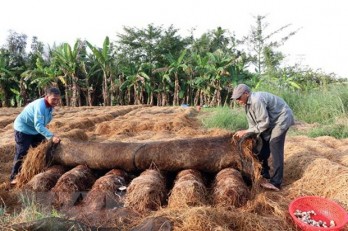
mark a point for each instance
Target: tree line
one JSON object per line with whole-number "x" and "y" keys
{"x": 152, "y": 65}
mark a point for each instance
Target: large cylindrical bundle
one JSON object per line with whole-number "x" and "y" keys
{"x": 46, "y": 180}
{"x": 71, "y": 185}
{"x": 107, "y": 191}
{"x": 209, "y": 154}
{"x": 229, "y": 189}
{"x": 96, "y": 155}
{"x": 188, "y": 190}
{"x": 146, "y": 192}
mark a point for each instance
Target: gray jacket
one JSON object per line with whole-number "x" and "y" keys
{"x": 268, "y": 115}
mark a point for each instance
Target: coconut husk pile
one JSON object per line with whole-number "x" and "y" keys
{"x": 6, "y": 161}
{"x": 71, "y": 185}
{"x": 75, "y": 134}
{"x": 107, "y": 191}
{"x": 152, "y": 123}
{"x": 336, "y": 177}
{"x": 188, "y": 190}
{"x": 229, "y": 189}
{"x": 86, "y": 119}
{"x": 146, "y": 192}
{"x": 154, "y": 223}
{"x": 266, "y": 211}
{"x": 116, "y": 218}
{"x": 46, "y": 180}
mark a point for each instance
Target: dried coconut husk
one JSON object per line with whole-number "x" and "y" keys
{"x": 249, "y": 166}
{"x": 46, "y": 180}
{"x": 153, "y": 223}
{"x": 6, "y": 120}
{"x": 297, "y": 158}
{"x": 6, "y": 161}
{"x": 7, "y": 152}
{"x": 71, "y": 184}
{"x": 188, "y": 190}
{"x": 146, "y": 192}
{"x": 81, "y": 123}
{"x": 338, "y": 149}
{"x": 269, "y": 203}
{"x": 324, "y": 178}
{"x": 35, "y": 162}
{"x": 229, "y": 189}
{"x": 190, "y": 172}
{"x": 105, "y": 219}
{"x": 153, "y": 124}
{"x": 75, "y": 134}
{"x": 107, "y": 191}
{"x": 86, "y": 121}
{"x": 211, "y": 218}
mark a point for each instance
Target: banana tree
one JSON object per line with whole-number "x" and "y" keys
{"x": 68, "y": 60}
{"x": 201, "y": 79}
{"x": 43, "y": 76}
{"x": 219, "y": 63}
{"x": 174, "y": 69}
{"x": 105, "y": 60}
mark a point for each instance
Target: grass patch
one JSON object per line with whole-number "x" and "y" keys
{"x": 338, "y": 131}
{"x": 225, "y": 118}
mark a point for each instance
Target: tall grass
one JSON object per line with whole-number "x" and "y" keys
{"x": 322, "y": 106}
{"x": 326, "y": 106}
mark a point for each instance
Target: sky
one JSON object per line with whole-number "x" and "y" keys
{"x": 321, "y": 42}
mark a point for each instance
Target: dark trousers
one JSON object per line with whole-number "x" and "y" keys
{"x": 276, "y": 148}
{"x": 23, "y": 143}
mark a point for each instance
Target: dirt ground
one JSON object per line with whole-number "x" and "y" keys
{"x": 313, "y": 166}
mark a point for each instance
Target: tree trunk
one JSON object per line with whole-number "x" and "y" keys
{"x": 105, "y": 90}
{"x": 176, "y": 90}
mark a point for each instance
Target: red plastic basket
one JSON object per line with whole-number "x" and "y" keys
{"x": 325, "y": 210}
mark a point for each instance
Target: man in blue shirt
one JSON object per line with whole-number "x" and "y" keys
{"x": 30, "y": 127}
{"x": 270, "y": 117}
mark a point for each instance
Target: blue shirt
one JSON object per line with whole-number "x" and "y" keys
{"x": 34, "y": 118}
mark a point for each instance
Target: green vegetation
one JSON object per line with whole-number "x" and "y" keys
{"x": 154, "y": 66}
{"x": 325, "y": 107}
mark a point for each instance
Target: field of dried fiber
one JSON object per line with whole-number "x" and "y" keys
{"x": 157, "y": 168}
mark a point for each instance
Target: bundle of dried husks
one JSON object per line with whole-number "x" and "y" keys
{"x": 146, "y": 192}
{"x": 188, "y": 190}
{"x": 71, "y": 185}
{"x": 209, "y": 154}
{"x": 107, "y": 191}
{"x": 229, "y": 189}
{"x": 46, "y": 180}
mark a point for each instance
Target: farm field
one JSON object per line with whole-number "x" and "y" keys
{"x": 157, "y": 168}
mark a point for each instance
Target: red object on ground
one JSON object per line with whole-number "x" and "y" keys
{"x": 325, "y": 210}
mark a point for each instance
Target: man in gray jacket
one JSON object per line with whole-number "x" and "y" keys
{"x": 270, "y": 117}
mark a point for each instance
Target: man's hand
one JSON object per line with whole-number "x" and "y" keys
{"x": 241, "y": 133}
{"x": 55, "y": 140}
